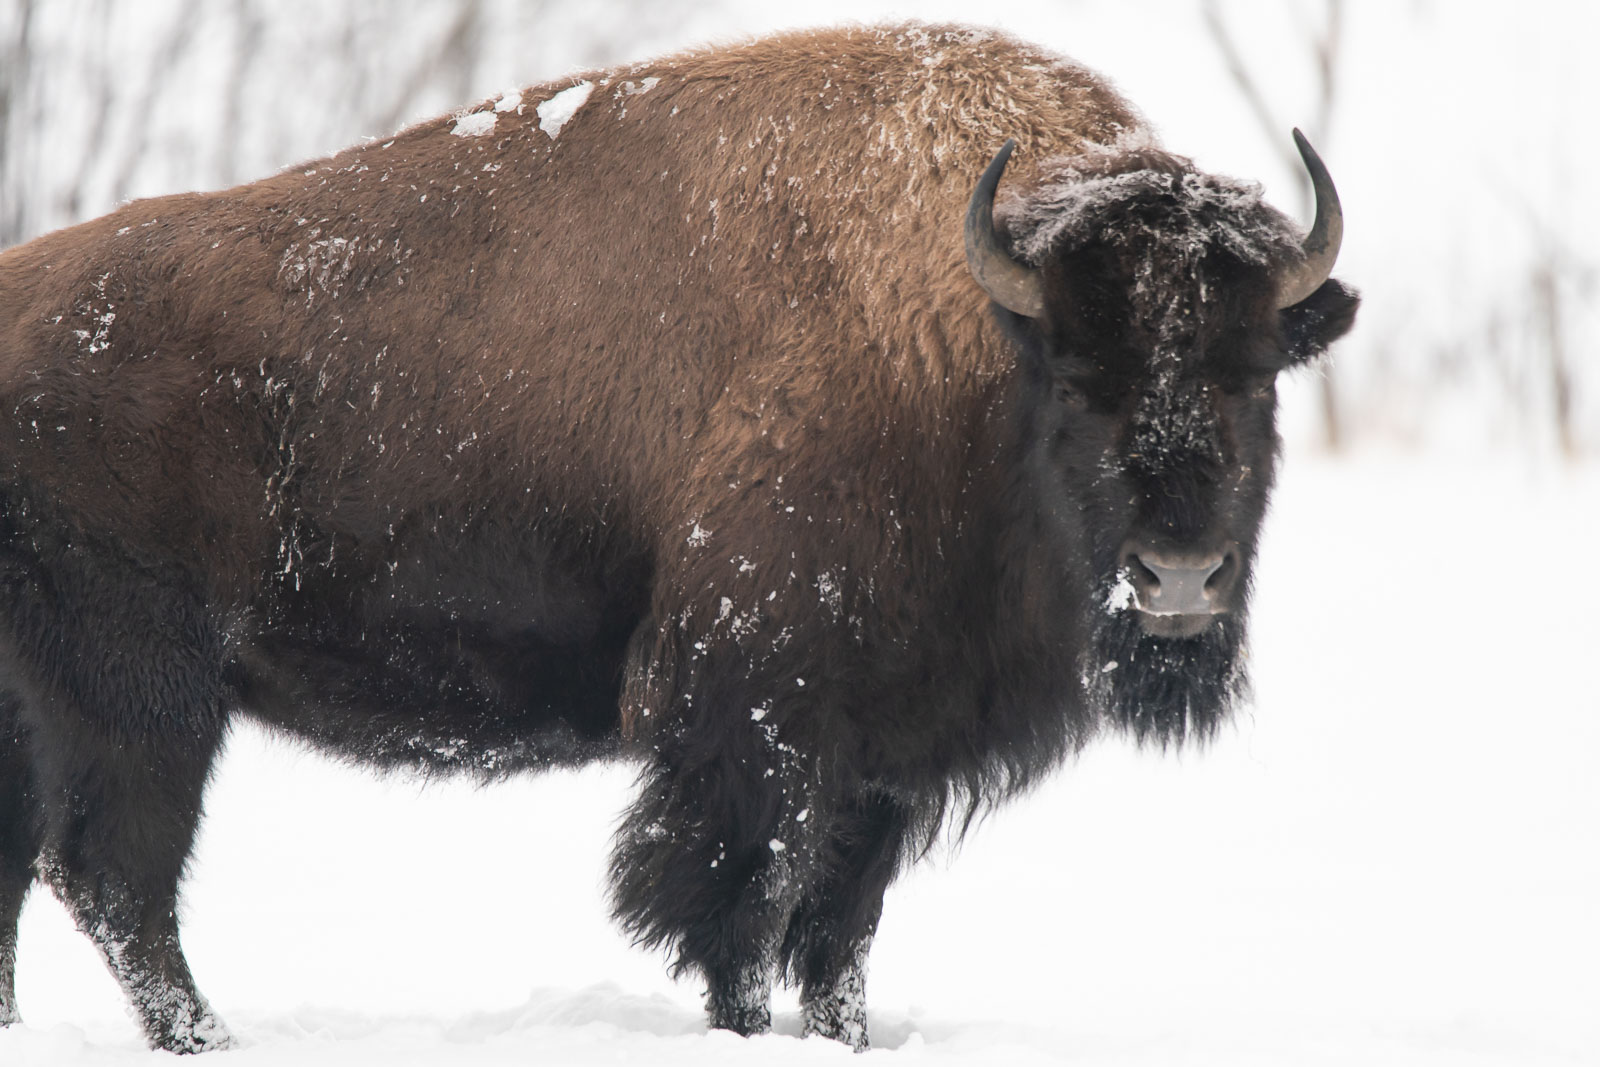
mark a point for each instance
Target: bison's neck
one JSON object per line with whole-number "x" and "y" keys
{"x": 1016, "y": 594}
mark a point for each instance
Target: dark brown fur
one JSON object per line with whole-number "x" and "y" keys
{"x": 685, "y": 433}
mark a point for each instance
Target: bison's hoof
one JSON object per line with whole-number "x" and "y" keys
{"x": 743, "y": 1023}
{"x": 742, "y": 1019}
{"x": 206, "y": 1035}
{"x": 850, "y": 1033}
{"x": 838, "y": 1020}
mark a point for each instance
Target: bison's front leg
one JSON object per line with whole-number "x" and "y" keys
{"x": 707, "y": 862}
{"x": 831, "y": 932}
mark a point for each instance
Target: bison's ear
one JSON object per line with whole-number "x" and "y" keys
{"x": 1310, "y": 326}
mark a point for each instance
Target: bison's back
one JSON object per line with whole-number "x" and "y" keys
{"x": 703, "y": 256}
{"x": 482, "y": 386}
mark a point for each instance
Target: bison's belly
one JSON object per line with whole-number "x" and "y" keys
{"x": 434, "y": 696}
{"x": 491, "y": 649}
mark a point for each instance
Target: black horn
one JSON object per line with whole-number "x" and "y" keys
{"x": 1010, "y": 284}
{"x": 1320, "y": 248}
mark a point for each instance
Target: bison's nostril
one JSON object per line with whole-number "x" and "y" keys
{"x": 1221, "y": 580}
{"x": 1141, "y": 576}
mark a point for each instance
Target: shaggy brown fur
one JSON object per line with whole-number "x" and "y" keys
{"x": 677, "y": 429}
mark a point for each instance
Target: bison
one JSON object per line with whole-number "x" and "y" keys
{"x": 714, "y": 413}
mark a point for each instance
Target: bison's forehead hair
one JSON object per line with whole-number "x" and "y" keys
{"x": 1147, "y": 200}
{"x": 1178, "y": 239}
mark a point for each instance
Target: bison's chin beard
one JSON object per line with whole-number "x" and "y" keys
{"x": 1161, "y": 689}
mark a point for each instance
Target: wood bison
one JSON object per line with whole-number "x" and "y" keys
{"x": 663, "y": 413}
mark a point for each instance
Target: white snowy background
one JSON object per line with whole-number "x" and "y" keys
{"x": 1394, "y": 855}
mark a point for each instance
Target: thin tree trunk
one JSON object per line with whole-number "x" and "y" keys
{"x": 15, "y": 71}
{"x": 455, "y": 58}
{"x": 1548, "y": 310}
{"x": 172, "y": 49}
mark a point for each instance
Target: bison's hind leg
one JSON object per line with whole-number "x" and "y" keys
{"x": 119, "y": 821}
{"x": 19, "y": 845}
{"x": 124, "y": 708}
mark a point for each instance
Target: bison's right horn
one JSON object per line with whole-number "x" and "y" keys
{"x": 1321, "y": 246}
{"x": 1010, "y": 284}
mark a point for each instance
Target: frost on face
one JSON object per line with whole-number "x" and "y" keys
{"x": 1200, "y": 213}
{"x": 555, "y": 112}
{"x": 1121, "y": 597}
{"x": 1167, "y": 224}
{"x": 1170, "y": 228}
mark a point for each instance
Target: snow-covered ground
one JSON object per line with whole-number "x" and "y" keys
{"x": 1392, "y": 859}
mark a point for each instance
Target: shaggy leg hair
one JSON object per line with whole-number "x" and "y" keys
{"x": 825, "y": 949}
{"x": 705, "y": 863}
{"x": 743, "y": 912}
{"x": 137, "y": 935}
{"x": 120, "y": 821}
{"x": 122, "y": 710}
{"x": 19, "y": 846}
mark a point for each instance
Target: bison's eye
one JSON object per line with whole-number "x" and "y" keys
{"x": 1252, "y": 386}
{"x": 1071, "y": 394}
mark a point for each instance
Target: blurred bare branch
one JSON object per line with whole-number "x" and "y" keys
{"x": 249, "y": 33}
{"x": 1249, "y": 88}
{"x": 98, "y": 75}
{"x": 452, "y": 62}
{"x": 1325, "y": 42}
{"x": 15, "y": 55}
{"x": 174, "y": 43}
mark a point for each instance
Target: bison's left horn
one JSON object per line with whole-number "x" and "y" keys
{"x": 1321, "y": 246}
{"x": 1010, "y": 284}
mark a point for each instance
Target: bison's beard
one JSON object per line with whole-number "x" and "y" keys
{"x": 1164, "y": 689}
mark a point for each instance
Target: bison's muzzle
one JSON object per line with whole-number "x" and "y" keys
{"x": 1177, "y": 593}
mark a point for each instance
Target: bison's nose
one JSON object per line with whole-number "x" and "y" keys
{"x": 1174, "y": 583}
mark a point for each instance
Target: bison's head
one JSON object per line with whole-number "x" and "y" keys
{"x": 1153, "y": 307}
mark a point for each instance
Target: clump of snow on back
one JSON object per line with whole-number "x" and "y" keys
{"x": 555, "y": 112}
{"x": 474, "y": 125}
